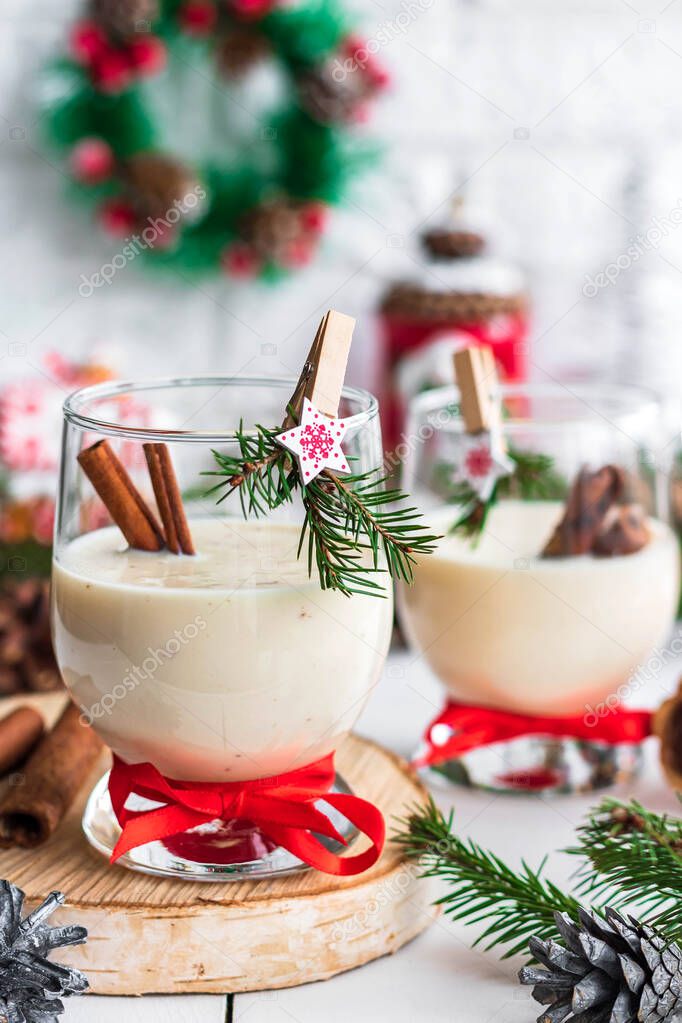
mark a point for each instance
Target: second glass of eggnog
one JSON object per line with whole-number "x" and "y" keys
{"x": 225, "y": 666}
{"x": 506, "y": 628}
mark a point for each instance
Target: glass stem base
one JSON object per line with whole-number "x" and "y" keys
{"x": 233, "y": 850}
{"x": 540, "y": 765}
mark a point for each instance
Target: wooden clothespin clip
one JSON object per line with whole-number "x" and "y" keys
{"x": 324, "y": 370}
{"x": 476, "y": 376}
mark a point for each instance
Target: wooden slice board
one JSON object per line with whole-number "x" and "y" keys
{"x": 165, "y": 936}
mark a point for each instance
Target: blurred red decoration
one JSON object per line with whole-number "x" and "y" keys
{"x": 456, "y": 294}
{"x": 198, "y": 18}
{"x": 114, "y": 66}
{"x": 117, "y": 217}
{"x": 239, "y": 260}
{"x": 252, "y": 8}
{"x": 147, "y": 55}
{"x": 92, "y": 161}
{"x": 88, "y": 42}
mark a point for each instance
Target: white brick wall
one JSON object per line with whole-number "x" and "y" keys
{"x": 594, "y": 83}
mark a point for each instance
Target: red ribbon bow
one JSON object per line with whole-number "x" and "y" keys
{"x": 281, "y": 807}
{"x": 464, "y": 726}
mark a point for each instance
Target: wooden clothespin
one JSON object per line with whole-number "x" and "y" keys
{"x": 324, "y": 371}
{"x": 476, "y": 376}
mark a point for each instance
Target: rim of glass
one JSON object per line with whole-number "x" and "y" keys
{"x": 75, "y": 403}
{"x": 635, "y": 401}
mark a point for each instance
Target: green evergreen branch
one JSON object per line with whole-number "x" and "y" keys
{"x": 532, "y": 479}
{"x": 349, "y": 523}
{"x": 634, "y": 856}
{"x": 483, "y": 888}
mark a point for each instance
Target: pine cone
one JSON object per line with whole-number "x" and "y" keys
{"x": 125, "y": 18}
{"x": 156, "y": 182}
{"x": 330, "y": 99}
{"x": 274, "y": 230}
{"x": 610, "y": 971}
{"x": 238, "y": 49}
{"x": 26, "y": 657}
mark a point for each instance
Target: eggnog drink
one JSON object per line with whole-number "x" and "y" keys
{"x": 503, "y": 627}
{"x": 229, "y": 665}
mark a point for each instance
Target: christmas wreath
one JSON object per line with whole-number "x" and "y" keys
{"x": 257, "y": 213}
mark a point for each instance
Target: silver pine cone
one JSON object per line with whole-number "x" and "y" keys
{"x": 615, "y": 970}
{"x": 31, "y": 985}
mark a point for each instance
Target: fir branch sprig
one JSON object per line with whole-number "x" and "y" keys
{"x": 482, "y": 887}
{"x": 533, "y": 478}
{"x": 349, "y": 521}
{"x": 634, "y": 856}
{"x": 261, "y": 473}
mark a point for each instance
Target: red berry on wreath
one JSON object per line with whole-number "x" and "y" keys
{"x": 314, "y": 217}
{"x": 92, "y": 161}
{"x": 198, "y": 17}
{"x": 147, "y": 55}
{"x": 112, "y": 72}
{"x": 88, "y": 42}
{"x": 252, "y": 8}
{"x": 117, "y": 218}
{"x": 165, "y": 237}
{"x": 239, "y": 260}
{"x": 298, "y": 253}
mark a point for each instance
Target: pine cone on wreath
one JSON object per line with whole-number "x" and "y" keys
{"x": 238, "y": 49}
{"x": 608, "y": 971}
{"x": 26, "y": 656}
{"x": 155, "y": 182}
{"x": 330, "y": 97}
{"x": 124, "y": 18}
{"x": 277, "y": 231}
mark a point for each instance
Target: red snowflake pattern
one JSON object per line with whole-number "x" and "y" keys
{"x": 317, "y": 443}
{"x": 478, "y": 463}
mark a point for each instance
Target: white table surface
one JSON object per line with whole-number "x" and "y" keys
{"x": 438, "y": 977}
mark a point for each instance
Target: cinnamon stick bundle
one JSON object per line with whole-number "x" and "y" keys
{"x": 19, "y": 732}
{"x": 126, "y": 505}
{"x": 52, "y": 776}
{"x": 122, "y": 499}
{"x": 168, "y": 499}
{"x": 590, "y": 498}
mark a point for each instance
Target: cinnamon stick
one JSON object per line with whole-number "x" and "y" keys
{"x": 19, "y": 732}
{"x": 623, "y": 531}
{"x": 168, "y": 499}
{"x": 590, "y": 498}
{"x": 59, "y": 765}
{"x": 123, "y": 501}
{"x": 667, "y": 725}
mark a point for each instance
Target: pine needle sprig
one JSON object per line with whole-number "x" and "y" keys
{"x": 261, "y": 473}
{"x": 516, "y": 905}
{"x": 533, "y": 478}
{"x": 634, "y": 856}
{"x": 349, "y": 522}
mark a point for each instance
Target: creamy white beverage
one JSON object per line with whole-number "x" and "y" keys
{"x": 503, "y": 627}
{"x": 229, "y": 665}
